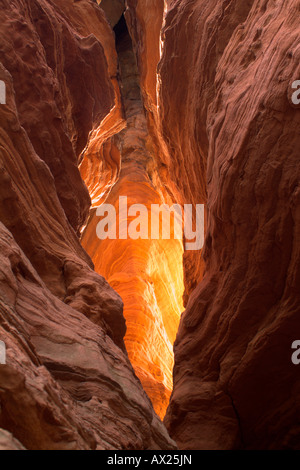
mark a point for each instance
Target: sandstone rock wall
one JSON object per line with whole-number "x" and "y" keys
{"x": 203, "y": 116}
{"x": 147, "y": 274}
{"x": 68, "y": 383}
{"x": 234, "y": 383}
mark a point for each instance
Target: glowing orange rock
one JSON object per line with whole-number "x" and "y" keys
{"x": 147, "y": 274}
{"x": 67, "y": 382}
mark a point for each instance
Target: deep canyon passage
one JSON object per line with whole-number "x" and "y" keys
{"x": 138, "y": 344}
{"x": 147, "y": 274}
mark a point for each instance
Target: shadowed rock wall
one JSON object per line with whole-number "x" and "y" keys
{"x": 68, "y": 383}
{"x": 234, "y": 383}
{"x": 196, "y": 110}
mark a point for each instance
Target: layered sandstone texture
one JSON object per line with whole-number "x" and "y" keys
{"x": 148, "y": 274}
{"x": 226, "y": 74}
{"x": 68, "y": 382}
{"x": 186, "y": 101}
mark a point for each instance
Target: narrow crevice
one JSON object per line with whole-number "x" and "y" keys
{"x": 238, "y": 420}
{"x": 129, "y": 78}
{"x": 146, "y": 273}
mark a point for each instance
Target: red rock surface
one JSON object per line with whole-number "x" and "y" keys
{"x": 147, "y": 274}
{"x": 30, "y": 207}
{"x": 234, "y": 383}
{"x": 68, "y": 384}
{"x": 8, "y": 442}
{"x": 205, "y": 117}
{"x": 145, "y": 24}
{"x": 113, "y": 9}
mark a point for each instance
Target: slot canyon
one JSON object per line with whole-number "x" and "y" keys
{"x": 142, "y": 344}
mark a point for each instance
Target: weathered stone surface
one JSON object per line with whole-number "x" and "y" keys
{"x": 146, "y": 273}
{"x": 26, "y": 184}
{"x": 145, "y": 20}
{"x": 206, "y": 116}
{"x": 234, "y": 383}
{"x": 8, "y": 442}
{"x": 67, "y": 383}
{"x": 113, "y": 9}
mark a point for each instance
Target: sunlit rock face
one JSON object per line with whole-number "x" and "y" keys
{"x": 42, "y": 137}
{"x": 145, "y": 21}
{"x": 194, "y": 107}
{"x": 68, "y": 382}
{"x": 8, "y": 442}
{"x": 226, "y": 74}
{"x": 147, "y": 274}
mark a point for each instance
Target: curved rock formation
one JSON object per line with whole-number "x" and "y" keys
{"x": 147, "y": 274}
{"x": 8, "y": 442}
{"x": 113, "y": 9}
{"x": 67, "y": 383}
{"x": 183, "y": 101}
{"x": 27, "y": 123}
{"x": 234, "y": 382}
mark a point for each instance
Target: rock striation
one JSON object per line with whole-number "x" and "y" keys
{"x": 168, "y": 101}
{"x": 8, "y": 442}
{"x": 234, "y": 383}
{"x": 147, "y": 274}
{"x": 68, "y": 382}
